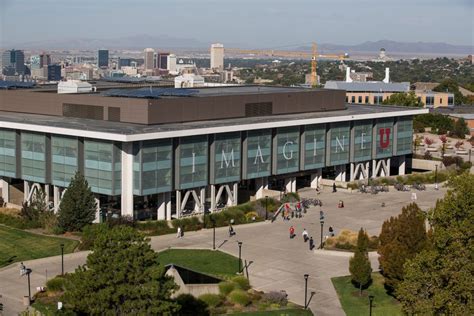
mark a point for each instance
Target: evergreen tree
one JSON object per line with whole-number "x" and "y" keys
{"x": 404, "y": 99}
{"x": 122, "y": 276}
{"x": 359, "y": 264}
{"x": 460, "y": 129}
{"x": 78, "y": 206}
{"x": 402, "y": 237}
{"x": 440, "y": 280}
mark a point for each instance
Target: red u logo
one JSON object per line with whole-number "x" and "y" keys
{"x": 386, "y": 142}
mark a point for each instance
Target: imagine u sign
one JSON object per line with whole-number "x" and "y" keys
{"x": 384, "y": 143}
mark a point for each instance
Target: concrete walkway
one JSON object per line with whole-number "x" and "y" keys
{"x": 279, "y": 263}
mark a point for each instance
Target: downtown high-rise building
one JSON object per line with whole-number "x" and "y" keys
{"x": 103, "y": 58}
{"x": 217, "y": 57}
{"x": 149, "y": 58}
{"x": 162, "y": 60}
{"x": 13, "y": 62}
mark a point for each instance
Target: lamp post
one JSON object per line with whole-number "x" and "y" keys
{"x": 62, "y": 259}
{"x": 240, "y": 254}
{"x": 306, "y": 276}
{"x": 322, "y": 229}
{"x": 213, "y": 221}
{"x": 24, "y": 270}
{"x": 266, "y": 207}
{"x": 436, "y": 177}
{"x": 371, "y": 299}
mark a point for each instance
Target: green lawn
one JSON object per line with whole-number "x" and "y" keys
{"x": 18, "y": 245}
{"x": 201, "y": 260}
{"x": 284, "y": 312}
{"x": 353, "y": 304}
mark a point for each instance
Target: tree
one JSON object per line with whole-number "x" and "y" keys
{"x": 402, "y": 237}
{"x": 404, "y": 99}
{"x": 78, "y": 206}
{"x": 359, "y": 264}
{"x": 122, "y": 276}
{"x": 460, "y": 128}
{"x": 450, "y": 85}
{"x": 439, "y": 281}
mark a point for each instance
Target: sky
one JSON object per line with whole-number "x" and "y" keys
{"x": 255, "y": 23}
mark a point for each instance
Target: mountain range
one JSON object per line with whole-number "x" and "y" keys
{"x": 140, "y": 42}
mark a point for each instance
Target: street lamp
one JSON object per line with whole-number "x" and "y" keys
{"x": 322, "y": 229}
{"x": 266, "y": 207}
{"x": 306, "y": 276}
{"x": 24, "y": 270}
{"x": 436, "y": 177}
{"x": 371, "y": 298}
{"x": 62, "y": 259}
{"x": 213, "y": 221}
{"x": 240, "y": 254}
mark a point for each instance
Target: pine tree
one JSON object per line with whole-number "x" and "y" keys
{"x": 359, "y": 264}
{"x": 122, "y": 276}
{"x": 78, "y": 206}
{"x": 402, "y": 237}
{"x": 439, "y": 281}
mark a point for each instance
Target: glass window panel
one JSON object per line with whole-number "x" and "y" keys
{"x": 193, "y": 162}
{"x": 259, "y": 150}
{"x": 8, "y": 153}
{"x": 384, "y": 138}
{"x": 404, "y": 135}
{"x": 362, "y": 140}
{"x": 33, "y": 157}
{"x": 227, "y": 158}
{"x": 287, "y": 151}
{"x": 339, "y": 144}
{"x": 314, "y": 146}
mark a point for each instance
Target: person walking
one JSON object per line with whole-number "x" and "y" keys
{"x": 311, "y": 243}
{"x": 334, "y": 190}
{"x": 179, "y": 232}
{"x": 321, "y": 215}
{"x": 331, "y": 231}
{"x": 292, "y": 232}
{"x": 231, "y": 230}
{"x": 305, "y": 235}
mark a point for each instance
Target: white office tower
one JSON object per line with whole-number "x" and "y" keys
{"x": 149, "y": 58}
{"x": 217, "y": 57}
{"x": 171, "y": 66}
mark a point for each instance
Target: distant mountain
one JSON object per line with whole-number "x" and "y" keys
{"x": 128, "y": 42}
{"x": 396, "y": 47}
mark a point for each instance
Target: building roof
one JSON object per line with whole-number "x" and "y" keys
{"x": 371, "y": 86}
{"x": 125, "y": 132}
{"x": 466, "y": 116}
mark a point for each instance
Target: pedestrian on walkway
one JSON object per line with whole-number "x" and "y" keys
{"x": 305, "y": 235}
{"x": 22, "y": 269}
{"x": 292, "y": 232}
{"x": 334, "y": 190}
{"x": 321, "y": 215}
{"x": 231, "y": 230}
{"x": 311, "y": 243}
{"x": 331, "y": 231}
{"x": 179, "y": 233}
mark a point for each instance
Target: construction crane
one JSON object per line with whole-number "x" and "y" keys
{"x": 313, "y": 55}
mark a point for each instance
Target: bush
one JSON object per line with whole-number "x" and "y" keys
{"x": 271, "y": 204}
{"x": 347, "y": 240}
{"x": 56, "y": 285}
{"x": 290, "y": 198}
{"x": 250, "y": 216}
{"x": 241, "y": 283}
{"x": 353, "y": 186}
{"x": 223, "y": 218}
{"x": 188, "y": 224}
{"x": 212, "y": 300}
{"x": 154, "y": 228}
{"x": 275, "y": 297}
{"x": 226, "y": 287}
{"x": 239, "y": 297}
{"x": 120, "y": 221}
{"x": 49, "y": 221}
{"x": 18, "y": 222}
{"x": 191, "y": 305}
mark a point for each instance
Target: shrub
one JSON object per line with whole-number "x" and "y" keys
{"x": 212, "y": 300}
{"x": 427, "y": 155}
{"x": 18, "y": 222}
{"x": 353, "y": 186}
{"x": 226, "y": 287}
{"x": 241, "y": 283}
{"x": 239, "y": 297}
{"x": 120, "y": 221}
{"x": 191, "y": 305}
{"x": 250, "y": 216}
{"x": 275, "y": 297}
{"x": 154, "y": 228}
{"x": 188, "y": 224}
{"x": 56, "y": 285}
{"x": 49, "y": 221}
{"x": 290, "y": 197}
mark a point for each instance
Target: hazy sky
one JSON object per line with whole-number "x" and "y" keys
{"x": 258, "y": 23}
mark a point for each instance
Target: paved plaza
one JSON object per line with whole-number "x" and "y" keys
{"x": 279, "y": 263}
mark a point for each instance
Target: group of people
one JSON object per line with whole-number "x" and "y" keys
{"x": 289, "y": 212}
{"x": 305, "y": 235}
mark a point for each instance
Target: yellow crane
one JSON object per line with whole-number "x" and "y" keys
{"x": 313, "y": 55}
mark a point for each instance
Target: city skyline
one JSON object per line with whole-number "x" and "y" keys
{"x": 259, "y": 24}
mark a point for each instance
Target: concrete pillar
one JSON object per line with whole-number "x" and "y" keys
{"x": 352, "y": 173}
{"x": 46, "y": 193}
{"x": 316, "y": 178}
{"x": 127, "y": 179}
{"x": 236, "y": 193}
{"x": 26, "y": 190}
{"x": 261, "y": 184}
{"x": 213, "y": 198}
{"x": 374, "y": 168}
{"x": 341, "y": 173}
{"x": 161, "y": 211}
{"x": 5, "y": 191}
{"x": 56, "y": 198}
{"x": 387, "y": 165}
{"x": 202, "y": 199}
{"x": 97, "y": 211}
{"x": 401, "y": 165}
{"x": 290, "y": 184}
{"x": 168, "y": 205}
{"x": 178, "y": 204}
